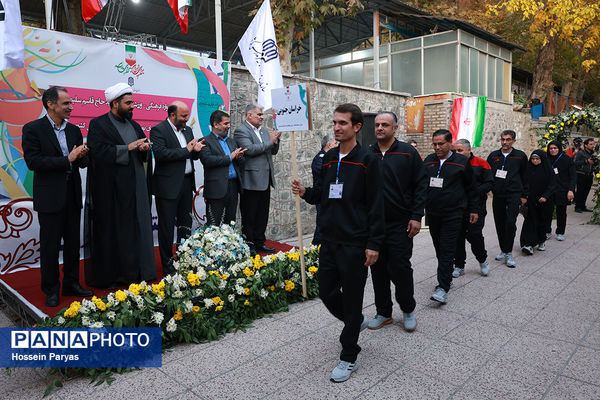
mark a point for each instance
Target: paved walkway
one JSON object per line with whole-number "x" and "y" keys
{"x": 527, "y": 333}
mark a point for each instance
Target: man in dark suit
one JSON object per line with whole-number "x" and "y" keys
{"x": 57, "y": 191}
{"x": 258, "y": 176}
{"x": 222, "y": 161}
{"x": 173, "y": 183}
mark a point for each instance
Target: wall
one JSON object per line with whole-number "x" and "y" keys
{"x": 325, "y": 96}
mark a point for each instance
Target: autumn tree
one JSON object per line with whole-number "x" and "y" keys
{"x": 294, "y": 19}
{"x": 553, "y": 23}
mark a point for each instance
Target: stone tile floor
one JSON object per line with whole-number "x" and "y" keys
{"x": 527, "y": 333}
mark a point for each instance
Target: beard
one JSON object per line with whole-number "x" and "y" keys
{"x": 124, "y": 113}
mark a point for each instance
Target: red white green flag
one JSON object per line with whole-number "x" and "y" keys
{"x": 89, "y": 8}
{"x": 468, "y": 118}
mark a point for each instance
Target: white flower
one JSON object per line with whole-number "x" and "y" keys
{"x": 90, "y": 305}
{"x": 158, "y": 299}
{"x": 222, "y": 284}
{"x": 178, "y": 294}
{"x": 97, "y": 325}
{"x": 157, "y": 318}
{"x": 84, "y": 310}
{"x": 85, "y": 320}
{"x": 240, "y": 281}
{"x": 239, "y": 289}
{"x": 263, "y": 293}
{"x": 198, "y": 292}
{"x": 61, "y": 320}
{"x": 231, "y": 298}
{"x": 171, "y": 325}
{"x": 257, "y": 275}
{"x": 280, "y": 285}
{"x": 111, "y": 315}
{"x": 110, "y": 299}
{"x": 187, "y": 306}
{"x": 208, "y": 303}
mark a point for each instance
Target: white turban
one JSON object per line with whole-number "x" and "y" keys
{"x": 117, "y": 90}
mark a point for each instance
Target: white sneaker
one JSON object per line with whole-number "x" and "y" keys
{"x": 440, "y": 295}
{"x": 458, "y": 272}
{"x": 510, "y": 261}
{"x": 527, "y": 250}
{"x": 560, "y": 238}
{"x": 548, "y": 235}
{"x": 501, "y": 256}
{"x": 485, "y": 268}
{"x": 542, "y": 246}
{"x": 409, "y": 321}
{"x": 379, "y": 321}
{"x": 342, "y": 371}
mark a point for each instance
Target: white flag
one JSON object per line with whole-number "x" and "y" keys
{"x": 259, "y": 50}
{"x": 12, "y": 48}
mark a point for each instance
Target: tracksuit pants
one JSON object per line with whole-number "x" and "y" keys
{"x": 474, "y": 234}
{"x": 506, "y": 210}
{"x": 444, "y": 230}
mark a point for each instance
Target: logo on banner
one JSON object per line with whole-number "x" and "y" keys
{"x": 130, "y": 66}
{"x": 55, "y": 347}
{"x": 130, "y": 55}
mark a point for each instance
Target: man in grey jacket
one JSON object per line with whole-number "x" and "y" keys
{"x": 258, "y": 176}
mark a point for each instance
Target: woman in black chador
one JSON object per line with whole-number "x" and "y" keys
{"x": 541, "y": 188}
{"x": 566, "y": 178}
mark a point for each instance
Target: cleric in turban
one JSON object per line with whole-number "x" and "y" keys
{"x": 118, "y": 225}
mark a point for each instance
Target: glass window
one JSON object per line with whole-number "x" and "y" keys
{"x": 491, "y": 81}
{"x": 406, "y": 72}
{"x": 499, "y": 78}
{"x": 467, "y": 38}
{"x": 362, "y": 54}
{"x": 505, "y": 53}
{"x": 482, "y": 81}
{"x": 336, "y": 59}
{"x": 383, "y": 50}
{"x": 406, "y": 44}
{"x": 353, "y": 74}
{"x": 473, "y": 71}
{"x": 506, "y": 87}
{"x": 464, "y": 69}
{"x": 332, "y": 74}
{"x": 440, "y": 69}
{"x": 383, "y": 73}
{"x": 493, "y": 49}
{"x": 439, "y": 38}
{"x": 481, "y": 44}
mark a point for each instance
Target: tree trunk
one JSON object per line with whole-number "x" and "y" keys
{"x": 285, "y": 51}
{"x": 542, "y": 74}
{"x": 567, "y": 86}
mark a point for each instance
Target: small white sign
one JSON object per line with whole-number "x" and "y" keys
{"x": 291, "y": 108}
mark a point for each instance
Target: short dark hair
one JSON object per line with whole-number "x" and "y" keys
{"x": 413, "y": 141}
{"x": 172, "y": 109}
{"x": 508, "y": 132}
{"x": 354, "y": 110}
{"x": 51, "y": 95}
{"x": 586, "y": 141}
{"x": 443, "y": 132}
{"x": 217, "y": 116}
{"x": 394, "y": 117}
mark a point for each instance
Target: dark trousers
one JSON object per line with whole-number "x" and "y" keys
{"x": 394, "y": 265}
{"x": 342, "y": 278}
{"x": 168, "y": 210}
{"x": 317, "y": 237}
{"x": 561, "y": 218}
{"x": 584, "y": 184}
{"x": 254, "y": 207}
{"x": 474, "y": 234}
{"x": 444, "y": 230}
{"x": 54, "y": 227}
{"x": 534, "y": 226}
{"x": 222, "y": 211}
{"x": 506, "y": 210}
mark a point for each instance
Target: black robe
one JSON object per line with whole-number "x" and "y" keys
{"x": 566, "y": 177}
{"x": 119, "y": 248}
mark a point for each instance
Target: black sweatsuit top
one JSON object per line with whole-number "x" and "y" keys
{"x": 357, "y": 219}
{"x": 515, "y": 183}
{"x": 457, "y": 193}
{"x": 405, "y": 182}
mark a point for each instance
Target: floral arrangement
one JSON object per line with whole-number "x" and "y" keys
{"x": 217, "y": 288}
{"x": 559, "y": 128}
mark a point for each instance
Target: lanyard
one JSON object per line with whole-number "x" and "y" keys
{"x": 337, "y": 174}
{"x": 505, "y": 157}
{"x": 558, "y": 158}
{"x": 441, "y": 163}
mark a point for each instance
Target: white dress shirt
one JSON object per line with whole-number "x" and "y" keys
{"x": 183, "y": 143}
{"x": 256, "y": 131}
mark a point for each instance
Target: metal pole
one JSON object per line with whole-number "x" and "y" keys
{"x": 312, "y": 52}
{"x": 218, "y": 34}
{"x": 376, "y": 84}
{"x": 48, "y": 9}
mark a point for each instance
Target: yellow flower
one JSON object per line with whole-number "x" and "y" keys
{"x": 289, "y": 285}
{"x": 195, "y": 309}
{"x": 193, "y": 279}
{"x": 134, "y": 288}
{"x": 312, "y": 269}
{"x": 546, "y": 148}
{"x": 219, "y": 308}
{"x": 213, "y": 273}
{"x": 178, "y": 315}
{"x": 272, "y": 288}
{"x": 221, "y": 303}
{"x": 552, "y": 126}
{"x": 294, "y": 256}
{"x": 562, "y": 124}
{"x": 99, "y": 303}
{"x": 120, "y": 295}
{"x": 224, "y": 277}
{"x": 246, "y": 291}
{"x": 547, "y": 135}
{"x": 575, "y": 122}
{"x": 246, "y": 303}
{"x": 598, "y": 176}
{"x": 585, "y": 116}
{"x": 73, "y": 309}
{"x": 258, "y": 263}
{"x": 216, "y": 300}
{"x": 248, "y": 272}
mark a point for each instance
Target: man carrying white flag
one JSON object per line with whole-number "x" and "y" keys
{"x": 12, "y": 47}
{"x": 261, "y": 56}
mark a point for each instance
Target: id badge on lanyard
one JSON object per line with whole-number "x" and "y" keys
{"x": 336, "y": 189}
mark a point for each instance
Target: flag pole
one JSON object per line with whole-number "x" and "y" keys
{"x": 298, "y": 219}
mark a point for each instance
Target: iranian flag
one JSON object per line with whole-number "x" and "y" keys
{"x": 468, "y": 118}
{"x": 89, "y": 8}
{"x": 180, "y": 10}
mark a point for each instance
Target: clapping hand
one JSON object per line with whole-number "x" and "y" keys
{"x": 274, "y": 136}
{"x": 199, "y": 145}
{"x": 77, "y": 152}
{"x": 238, "y": 153}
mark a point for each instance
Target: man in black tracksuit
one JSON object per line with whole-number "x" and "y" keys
{"x": 352, "y": 226}
{"x": 510, "y": 189}
{"x": 482, "y": 176}
{"x": 404, "y": 189}
{"x": 450, "y": 194}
